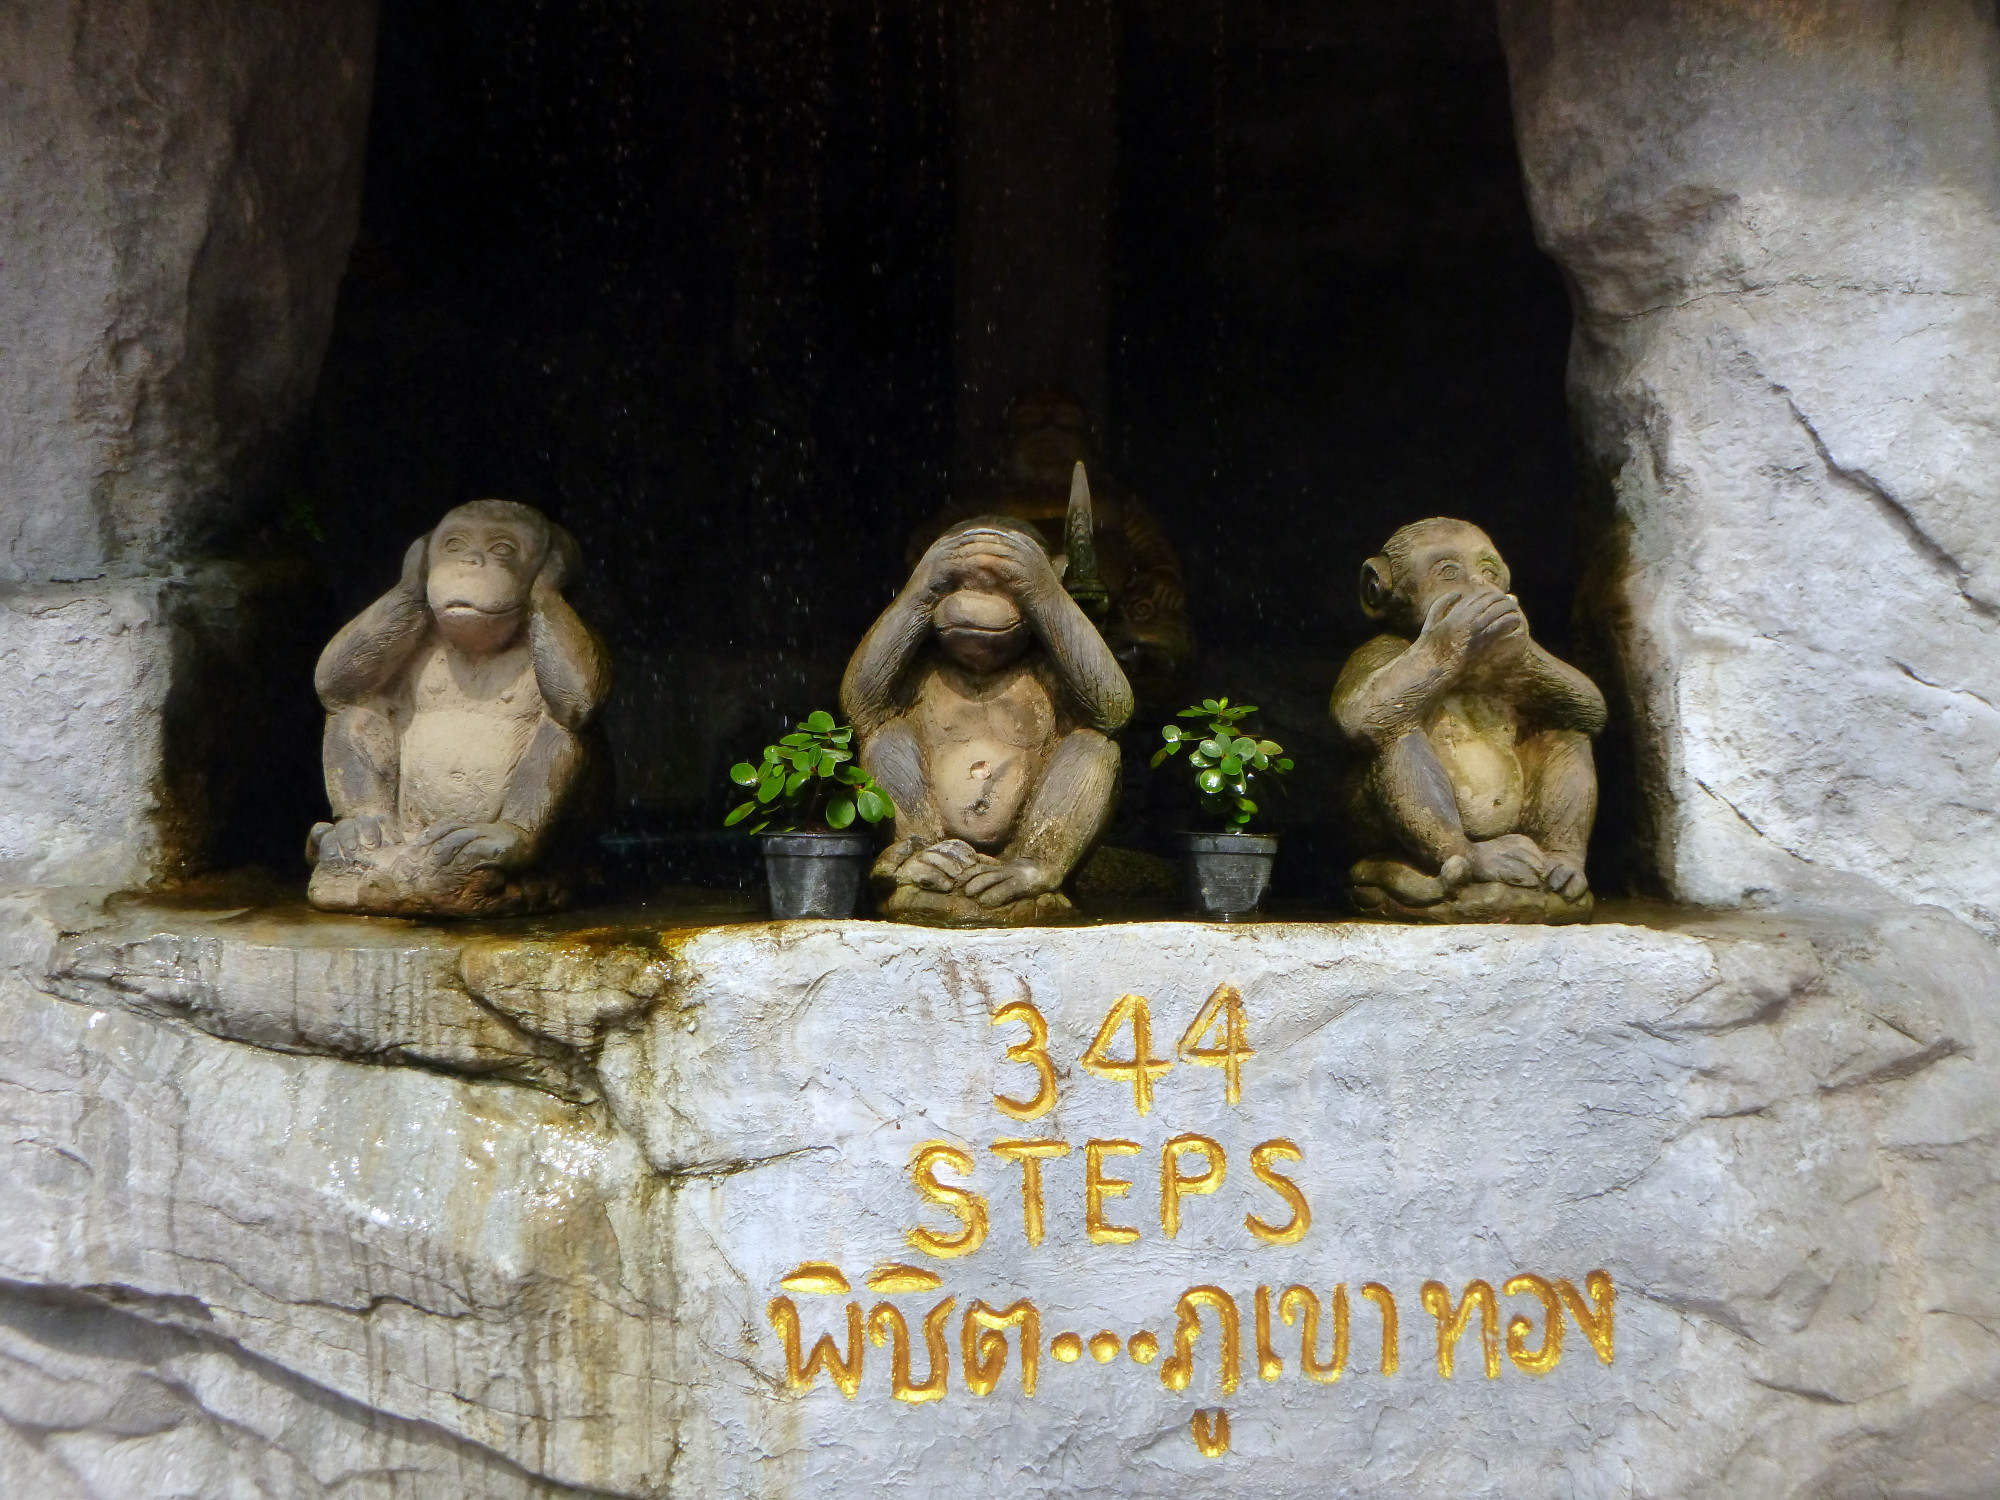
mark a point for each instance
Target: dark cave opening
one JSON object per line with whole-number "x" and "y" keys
{"x": 682, "y": 276}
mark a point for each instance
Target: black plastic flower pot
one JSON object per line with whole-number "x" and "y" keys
{"x": 815, "y": 874}
{"x": 1228, "y": 873}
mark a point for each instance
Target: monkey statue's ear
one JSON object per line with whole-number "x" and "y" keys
{"x": 1378, "y": 587}
{"x": 1060, "y": 562}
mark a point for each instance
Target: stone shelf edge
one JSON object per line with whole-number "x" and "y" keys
{"x": 529, "y": 1002}
{"x": 511, "y": 1202}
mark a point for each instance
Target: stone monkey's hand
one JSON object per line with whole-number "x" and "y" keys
{"x": 352, "y": 841}
{"x": 1013, "y": 562}
{"x": 990, "y": 558}
{"x": 1474, "y": 624}
{"x": 416, "y": 566}
{"x": 476, "y": 846}
{"x": 1011, "y": 881}
{"x": 934, "y": 575}
{"x": 550, "y": 577}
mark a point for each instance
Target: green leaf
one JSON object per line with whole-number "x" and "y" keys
{"x": 1209, "y": 781}
{"x": 1212, "y": 706}
{"x": 1244, "y": 748}
{"x": 794, "y": 741}
{"x": 743, "y": 773}
{"x": 1231, "y": 766}
{"x": 796, "y": 780}
{"x": 841, "y": 736}
{"x": 1270, "y": 747}
{"x": 1191, "y": 713}
{"x": 1161, "y": 754}
{"x": 873, "y": 805}
{"x": 1215, "y": 749}
{"x": 819, "y": 721}
{"x": 1284, "y": 765}
{"x": 1171, "y": 733}
{"x": 738, "y": 814}
{"x": 840, "y": 812}
{"x": 824, "y": 764}
{"x": 770, "y": 783}
{"x": 1246, "y": 806}
{"x": 851, "y": 776}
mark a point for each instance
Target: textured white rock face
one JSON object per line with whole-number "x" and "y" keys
{"x": 467, "y": 1273}
{"x": 274, "y": 1220}
{"x": 1782, "y": 227}
{"x": 179, "y": 186}
{"x": 85, "y": 674}
{"x": 177, "y": 197}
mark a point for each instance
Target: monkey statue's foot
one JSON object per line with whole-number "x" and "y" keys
{"x": 943, "y": 867}
{"x": 912, "y": 903}
{"x": 1511, "y": 859}
{"x": 1391, "y": 888}
{"x": 409, "y": 880}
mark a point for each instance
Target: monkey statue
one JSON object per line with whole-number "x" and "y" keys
{"x": 985, "y": 701}
{"x": 1047, "y": 433}
{"x": 458, "y": 741}
{"x": 1474, "y": 787}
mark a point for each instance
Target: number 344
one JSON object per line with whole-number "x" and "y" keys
{"x": 1215, "y": 1039}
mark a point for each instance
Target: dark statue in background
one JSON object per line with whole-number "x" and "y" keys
{"x": 1047, "y": 436}
{"x": 1475, "y": 789}
{"x": 985, "y": 701}
{"x": 457, "y": 752}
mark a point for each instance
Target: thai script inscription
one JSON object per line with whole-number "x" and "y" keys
{"x": 1190, "y": 1165}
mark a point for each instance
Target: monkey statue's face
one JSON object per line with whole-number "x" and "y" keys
{"x": 480, "y": 574}
{"x": 1046, "y": 438}
{"x": 981, "y": 629}
{"x": 1454, "y": 559}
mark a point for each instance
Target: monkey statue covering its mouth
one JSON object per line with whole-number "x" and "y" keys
{"x": 1473, "y": 789}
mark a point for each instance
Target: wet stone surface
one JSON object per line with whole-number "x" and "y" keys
{"x": 535, "y": 1205}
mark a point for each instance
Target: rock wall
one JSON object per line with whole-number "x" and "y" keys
{"x": 332, "y": 1206}
{"x": 177, "y": 197}
{"x": 1781, "y": 226}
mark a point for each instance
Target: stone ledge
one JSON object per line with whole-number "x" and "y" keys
{"x": 1775, "y": 1132}
{"x": 523, "y": 1002}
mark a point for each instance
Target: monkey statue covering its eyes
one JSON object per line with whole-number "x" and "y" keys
{"x": 458, "y": 747}
{"x": 985, "y": 702}
{"x": 1474, "y": 787}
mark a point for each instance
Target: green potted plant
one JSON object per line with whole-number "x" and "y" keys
{"x": 805, "y": 796}
{"x": 1227, "y": 871}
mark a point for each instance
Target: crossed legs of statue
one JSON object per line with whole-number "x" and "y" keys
{"x": 929, "y": 875}
{"x": 1561, "y": 805}
{"x": 367, "y": 861}
{"x": 1533, "y": 873}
